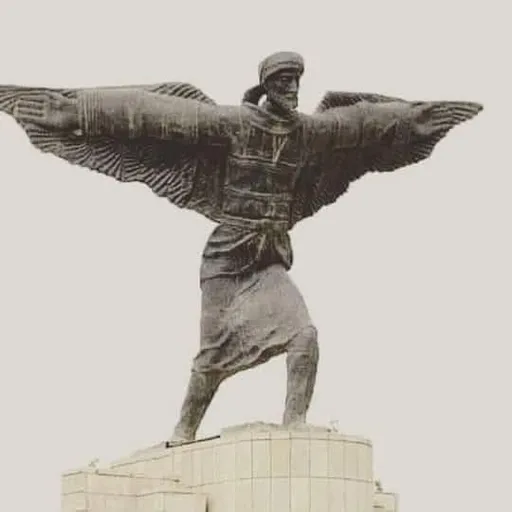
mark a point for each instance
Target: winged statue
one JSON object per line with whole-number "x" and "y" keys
{"x": 256, "y": 169}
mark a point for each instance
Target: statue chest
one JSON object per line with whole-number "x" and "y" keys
{"x": 262, "y": 162}
{"x": 260, "y": 175}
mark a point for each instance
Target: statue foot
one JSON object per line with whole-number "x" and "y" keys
{"x": 179, "y": 437}
{"x": 296, "y": 425}
{"x": 294, "y": 421}
{"x": 303, "y": 426}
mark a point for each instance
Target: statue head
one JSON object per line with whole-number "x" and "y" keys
{"x": 280, "y": 75}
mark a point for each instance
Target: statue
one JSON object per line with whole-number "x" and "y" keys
{"x": 255, "y": 169}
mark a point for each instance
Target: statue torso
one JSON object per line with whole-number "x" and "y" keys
{"x": 262, "y": 167}
{"x": 256, "y": 193}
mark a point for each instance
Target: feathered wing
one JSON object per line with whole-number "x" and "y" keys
{"x": 182, "y": 174}
{"x": 334, "y": 99}
{"x": 326, "y": 179}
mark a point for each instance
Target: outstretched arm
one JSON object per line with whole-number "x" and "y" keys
{"x": 351, "y": 136}
{"x": 136, "y": 114}
{"x": 119, "y": 123}
{"x": 388, "y": 124}
{"x": 131, "y": 114}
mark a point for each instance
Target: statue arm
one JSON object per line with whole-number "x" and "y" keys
{"x": 119, "y": 122}
{"x": 367, "y": 125}
{"x": 136, "y": 114}
{"x": 347, "y": 142}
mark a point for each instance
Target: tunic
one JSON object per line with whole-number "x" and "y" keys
{"x": 251, "y": 309}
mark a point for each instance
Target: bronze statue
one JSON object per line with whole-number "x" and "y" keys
{"x": 256, "y": 169}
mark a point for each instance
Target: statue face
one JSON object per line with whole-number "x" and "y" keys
{"x": 283, "y": 89}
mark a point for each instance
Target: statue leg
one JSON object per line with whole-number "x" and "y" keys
{"x": 302, "y": 364}
{"x": 201, "y": 390}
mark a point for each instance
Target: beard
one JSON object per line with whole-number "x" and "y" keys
{"x": 285, "y": 102}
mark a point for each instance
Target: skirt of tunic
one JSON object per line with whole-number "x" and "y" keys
{"x": 247, "y": 319}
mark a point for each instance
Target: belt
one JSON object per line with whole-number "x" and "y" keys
{"x": 265, "y": 225}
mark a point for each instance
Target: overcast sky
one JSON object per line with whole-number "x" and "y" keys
{"x": 407, "y": 276}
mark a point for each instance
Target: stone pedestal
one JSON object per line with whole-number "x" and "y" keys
{"x": 107, "y": 491}
{"x": 385, "y": 502}
{"x": 253, "y": 468}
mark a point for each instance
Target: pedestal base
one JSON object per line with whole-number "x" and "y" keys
{"x": 108, "y": 491}
{"x": 385, "y": 502}
{"x": 251, "y": 468}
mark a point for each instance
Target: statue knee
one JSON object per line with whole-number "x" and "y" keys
{"x": 313, "y": 346}
{"x": 305, "y": 344}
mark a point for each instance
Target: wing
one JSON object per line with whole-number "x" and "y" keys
{"x": 182, "y": 174}
{"x": 328, "y": 176}
{"x": 334, "y": 99}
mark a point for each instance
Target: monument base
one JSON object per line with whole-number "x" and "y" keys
{"x": 249, "y": 468}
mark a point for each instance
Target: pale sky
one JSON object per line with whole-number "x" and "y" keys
{"x": 407, "y": 277}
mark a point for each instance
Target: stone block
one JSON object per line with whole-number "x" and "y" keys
{"x": 385, "y": 502}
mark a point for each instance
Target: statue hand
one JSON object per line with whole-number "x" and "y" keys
{"x": 48, "y": 109}
{"x": 433, "y": 118}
